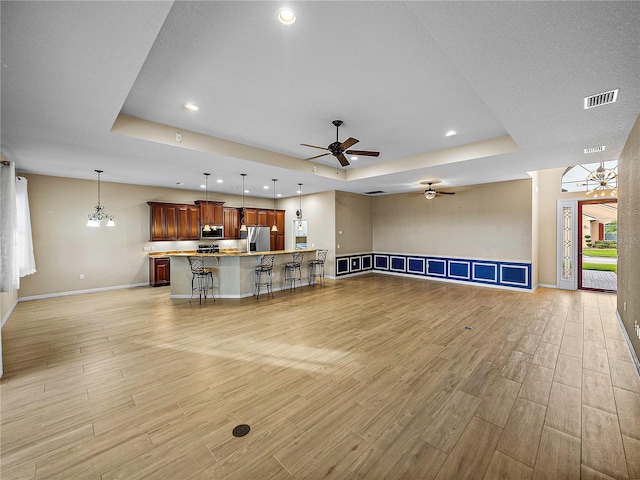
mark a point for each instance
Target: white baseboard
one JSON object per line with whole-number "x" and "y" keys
{"x": 79, "y": 292}
{"x": 634, "y": 357}
{"x": 6, "y": 317}
{"x": 546, "y": 285}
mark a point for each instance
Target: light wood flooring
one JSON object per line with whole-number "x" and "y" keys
{"x": 372, "y": 377}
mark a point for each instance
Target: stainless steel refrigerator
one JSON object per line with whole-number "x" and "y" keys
{"x": 258, "y": 239}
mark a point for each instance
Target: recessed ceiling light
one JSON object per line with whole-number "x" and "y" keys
{"x": 286, "y": 16}
{"x": 354, "y": 158}
{"x": 266, "y": 187}
{"x": 203, "y": 186}
{"x": 450, "y": 133}
{"x": 246, "y": 191}
{"x": 279, "y": 195}
{"x": 191, "y": 106}
{"x": 299, "y": 191}
{"x": 219, "y": 180}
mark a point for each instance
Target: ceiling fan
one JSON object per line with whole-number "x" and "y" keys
{"x": 430, "y": 193}
{"x": 338, "y": 149}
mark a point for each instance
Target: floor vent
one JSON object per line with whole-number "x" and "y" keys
{"x": 375, "y": 192}
{"x": 595, "y": 149}
{"x": 601, "y": 99}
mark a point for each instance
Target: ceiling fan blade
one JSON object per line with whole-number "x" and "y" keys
{"x": 343, "y": 160}
{"x": 365, "y": 153}
{"x": 313, "y": 146}
{"x": 445, "y": 193}
{"x": 317, "y": 156}
{"x": 348, "y": 142}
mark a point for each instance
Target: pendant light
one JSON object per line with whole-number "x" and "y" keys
{"x": 99, "y": 214}
{"x": 299, "y": 212}
{"x": 207, "y": 227}
{"x": 274, "y": 228}
{"x": 243, "y": 226}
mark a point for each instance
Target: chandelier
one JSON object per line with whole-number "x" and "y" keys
{"x": 243, "y": 226}
{"x": 603, "y": 181}
{"x": 95, "y": 218}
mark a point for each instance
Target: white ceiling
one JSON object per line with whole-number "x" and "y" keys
{"x": 509, "y": 77}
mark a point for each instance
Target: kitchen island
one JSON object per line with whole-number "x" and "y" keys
{"x": 233, "y": 272}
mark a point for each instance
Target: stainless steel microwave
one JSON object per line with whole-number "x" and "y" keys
{"x": 212, "y": 232}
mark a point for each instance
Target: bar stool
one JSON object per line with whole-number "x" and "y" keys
{"x": 316, "y": 267}
{"x": 262, "y": 275}
{"x": 201, "y": 278}
{"x": 290, "y": 270}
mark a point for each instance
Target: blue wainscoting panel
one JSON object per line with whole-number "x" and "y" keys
{"x": 398, "y": 264}
{"x": 437, "y": 267}
{"x": 488, "y": 272}
{"x": 459, "y": 269}
{"x": 515, "y": 275}
{"x": 416, "y": 265}
{"x": 381, "y": 262}
{"x": 485, "y": 272}
{"x": 342, "y": 266}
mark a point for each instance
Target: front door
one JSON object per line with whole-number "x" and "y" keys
{"x": 597, "y": 249}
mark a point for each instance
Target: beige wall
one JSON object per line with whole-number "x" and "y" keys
{"x": 491, "y": 221}
{"x": 629, "y": 235}
{"x": 354, "y": 220}
{"x": 319, "y": 211}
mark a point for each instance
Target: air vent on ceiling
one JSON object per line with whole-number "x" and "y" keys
{"x": 599, "y": 148}
{"x": 374, "y": 192}
{"x": 601, "y": 99}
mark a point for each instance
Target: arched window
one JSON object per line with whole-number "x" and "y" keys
{"x": 597, "y": 179}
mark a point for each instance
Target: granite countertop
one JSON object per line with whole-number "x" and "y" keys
{"x": 226, "y": 253}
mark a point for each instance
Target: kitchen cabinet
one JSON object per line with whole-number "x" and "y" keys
{"x": 263, "y": 218}
{"x": 159, "y": 271}
{"x": 250, "y": 217}
{"x": 231, "y": 222}
{"x": 174, "y": 221}
{"x": 277, "y": 238}
{"x": 164, "y": 221}
{"x": 188, "y": 222}
{"x": 211, "y": 213}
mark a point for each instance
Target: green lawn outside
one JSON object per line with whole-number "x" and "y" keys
{"x": 600, "y": 252}
{"x": 602, "y": 267}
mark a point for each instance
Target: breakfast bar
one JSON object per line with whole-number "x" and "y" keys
{"x": 233, "y": 272}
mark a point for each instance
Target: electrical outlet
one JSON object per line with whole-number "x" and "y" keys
{"x": 338, "y": 245}
{"x": 178, "y": 137}
{"x": 624, "y": 306}
{"x": 148, "y": 248}
{"x": 313, "y": 245}
{"x": 82, "y": 276}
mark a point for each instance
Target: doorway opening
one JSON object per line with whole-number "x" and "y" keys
{"x": 598, "y": 245}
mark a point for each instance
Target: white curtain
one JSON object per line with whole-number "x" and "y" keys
{"x": 16, "y": 245}
{"x": 26, "y": 261}
{"x": 9, "y": 270}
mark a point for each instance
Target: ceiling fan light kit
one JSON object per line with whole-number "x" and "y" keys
{"x": 338, "y": 149}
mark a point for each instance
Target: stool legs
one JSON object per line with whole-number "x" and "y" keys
{"x": 202, "y": 283}
{"x": 260, "y": 282}
{"x": 290, "y": 276}
{"x": 316, "y": 271}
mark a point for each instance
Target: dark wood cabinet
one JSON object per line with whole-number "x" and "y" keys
{"x": 231, "y": 222}
{"x": 277, "y": 238}
{"x": 174, "y": 221}
{"x": 263, "y": 218}
{"x": 188, "y": 222}
{"x": 250, "y": 217}
{"x": 159, "y": 271}
{"x": 211, "y": 213}
{"x": 164, "y": 221}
